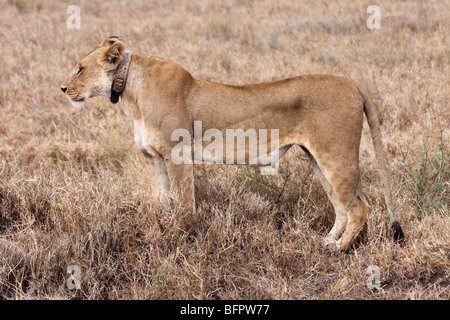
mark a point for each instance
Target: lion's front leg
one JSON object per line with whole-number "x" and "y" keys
{"x": 160, "y": 184}
{"x": 181, "y": 177}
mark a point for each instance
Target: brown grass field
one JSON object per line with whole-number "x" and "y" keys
{"x": 74, "y": 189}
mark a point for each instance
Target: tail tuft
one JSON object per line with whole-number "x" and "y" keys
{"x": 399, "y": 236}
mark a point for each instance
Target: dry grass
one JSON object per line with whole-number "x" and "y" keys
{"x": 73, "y": 191}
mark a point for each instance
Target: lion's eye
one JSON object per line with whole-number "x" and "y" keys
{"x": 79, "y": 70}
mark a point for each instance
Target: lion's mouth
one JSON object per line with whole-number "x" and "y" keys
{"x": 76, "y": 101}
{"x": 76, "y": 97}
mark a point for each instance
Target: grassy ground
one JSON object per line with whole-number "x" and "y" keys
{"x": 74, "y": 190}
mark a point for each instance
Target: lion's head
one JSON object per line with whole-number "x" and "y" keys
{"x": 92, "y": 76}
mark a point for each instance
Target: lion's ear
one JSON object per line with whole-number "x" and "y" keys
{"x": 110, "y": 41}
{"x": 113, "y": 55}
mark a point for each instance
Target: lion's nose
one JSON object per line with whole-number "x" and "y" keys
{"x": 63, "y": 89}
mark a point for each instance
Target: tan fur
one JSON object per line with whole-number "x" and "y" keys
{"x": 321, "y": 113}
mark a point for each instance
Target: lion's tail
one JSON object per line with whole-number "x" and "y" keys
{"x": 374, "y": 124}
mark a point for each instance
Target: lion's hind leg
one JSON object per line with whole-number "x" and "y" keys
{"x": 341, "y": 215}
{"x": 340, "y": 178}
{"x": 347, "y": 189}
{"x": 357, "y": 213}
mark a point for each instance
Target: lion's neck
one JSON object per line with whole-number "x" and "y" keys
{"x": 134, "y": 83}
{"x": 133, "y": 80}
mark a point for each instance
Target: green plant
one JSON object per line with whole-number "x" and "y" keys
{"x": 429, "y": 181}
{"x": 161, "y": 279}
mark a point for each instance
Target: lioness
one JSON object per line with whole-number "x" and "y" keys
{"x": 323, "y": 114}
